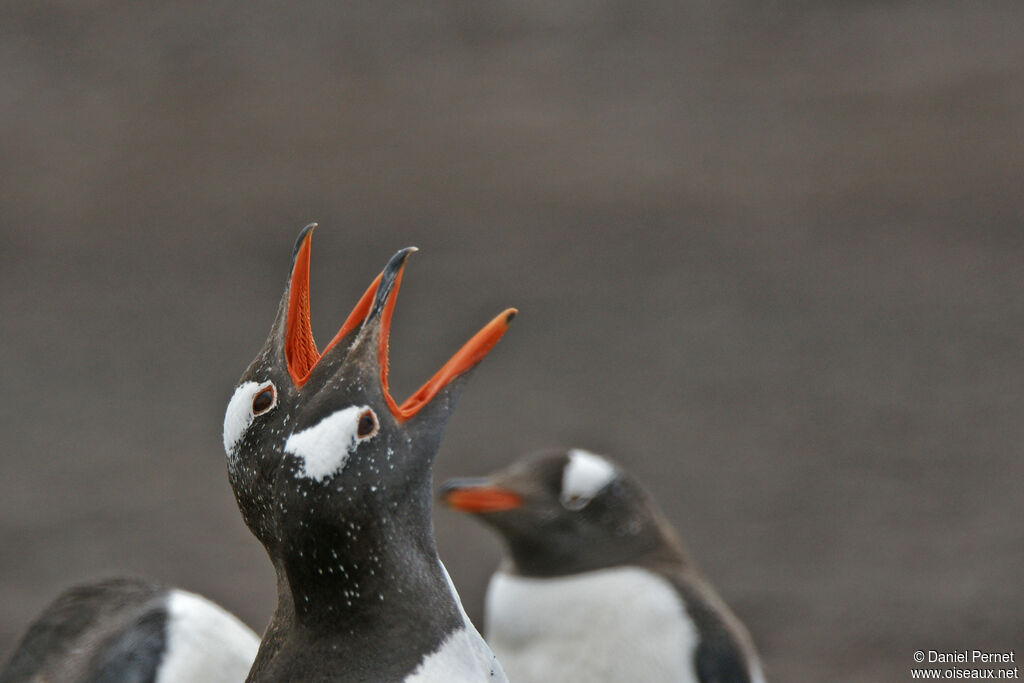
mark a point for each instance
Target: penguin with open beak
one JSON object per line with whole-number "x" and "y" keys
{"x": 333, "y": 476}
{"x": 595, "y": 585}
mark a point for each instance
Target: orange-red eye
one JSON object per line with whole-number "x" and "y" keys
{"x": 367, "y": 425}
{"x": 263, "y": 401}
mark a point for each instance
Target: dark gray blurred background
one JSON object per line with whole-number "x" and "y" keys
{"x": 768, "y": 254}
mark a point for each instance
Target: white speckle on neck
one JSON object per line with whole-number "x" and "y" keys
{"x": 205, "y": 643}
{"x": 325, "y": 447}
{"x": 238, "y": 416}
{"x": 584, "y": 477}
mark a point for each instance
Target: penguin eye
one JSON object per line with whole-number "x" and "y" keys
{"x": 575, "y": 502}
{"x": 264, "y": 400}
{"x": 367, "y": 425}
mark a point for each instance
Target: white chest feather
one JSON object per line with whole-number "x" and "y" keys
{"x": 621, "y": 624}
{"x": 463, "y": 657}
{"x": 205, "y": 644}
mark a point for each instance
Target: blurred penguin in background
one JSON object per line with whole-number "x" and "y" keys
{"x": 129, "y": 630}
{"x": 595, "y": 585}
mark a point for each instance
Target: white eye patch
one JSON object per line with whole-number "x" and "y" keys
{"x": 239, "y": 414}
{"x": 325, "y": 447}
{"x": 584, "y": 477}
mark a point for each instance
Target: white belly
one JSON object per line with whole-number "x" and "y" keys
{"x": 620, "y": 624}
{"x": 205, "y": 644}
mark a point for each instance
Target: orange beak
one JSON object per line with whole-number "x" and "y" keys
{"x": 477, "y": 496}
{"x": 301, "y": 352}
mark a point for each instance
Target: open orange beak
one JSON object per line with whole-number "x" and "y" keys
{"x": 478, "y": 495}
{"x": 301, "y": 351}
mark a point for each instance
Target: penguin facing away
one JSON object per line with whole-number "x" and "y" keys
{"x": 332, "y": 475}
{"x": 129, "y": 630}
{"x": 595, "y": 585}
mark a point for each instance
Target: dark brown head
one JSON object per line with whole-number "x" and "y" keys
{"x": 567, "y": 511}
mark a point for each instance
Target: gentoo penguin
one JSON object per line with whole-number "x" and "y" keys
{"x": 333, "y": 476}
{"x": 596, "y": 586}
{"x": 129, "y": 630}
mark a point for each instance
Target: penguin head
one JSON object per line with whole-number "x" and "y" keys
{"x": 318, "y": 450}
{"x": 565, "y": 511}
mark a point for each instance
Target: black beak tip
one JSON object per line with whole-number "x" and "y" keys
{"x": 387, "y": 280}
{"x": 396, "y": 261}
{"x": 453, "y": 485}
{"x": 300, "y": 239}
{"x": 447, "y": 488}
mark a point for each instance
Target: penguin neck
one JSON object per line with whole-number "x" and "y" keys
{"x": 281, "y": 623}
{"x": 348, "y": 580}
{"x": 654, "y": 546}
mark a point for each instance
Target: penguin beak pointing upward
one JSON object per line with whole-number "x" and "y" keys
{"x": 376, "y": 306}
